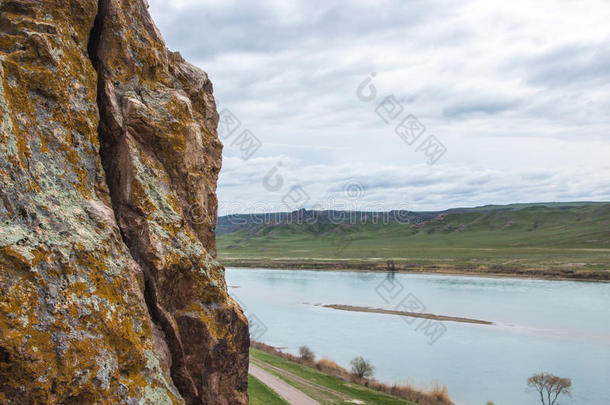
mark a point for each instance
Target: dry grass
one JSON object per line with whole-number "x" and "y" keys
{"x": 440, "y": 392}
{"x": 329, "y": 366}
{"x": 436, "y": 395}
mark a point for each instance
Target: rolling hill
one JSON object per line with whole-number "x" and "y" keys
{"x": 545, "y": 239}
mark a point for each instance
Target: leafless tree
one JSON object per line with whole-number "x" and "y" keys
{"x": 549, "y": 386}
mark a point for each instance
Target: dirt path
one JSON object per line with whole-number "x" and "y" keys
{"x": 283, "y": 389}
{"x": 334, "y": 395}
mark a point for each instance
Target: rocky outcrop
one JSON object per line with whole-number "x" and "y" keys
{"x": 109, "y": 290}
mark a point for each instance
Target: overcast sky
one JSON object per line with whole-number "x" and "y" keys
{"x": 516, "y": 94}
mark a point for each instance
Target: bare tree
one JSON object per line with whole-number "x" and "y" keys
{"x": 549, "y": 386}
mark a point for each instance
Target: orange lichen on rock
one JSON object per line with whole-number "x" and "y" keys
{"x": 109, "y": 292}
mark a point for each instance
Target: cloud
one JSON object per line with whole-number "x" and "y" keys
{"x": 395, "y": 187}
{"x": 517, "y": 92}
{"x": 574, "y": 64}
{"x": 481, "y": 106}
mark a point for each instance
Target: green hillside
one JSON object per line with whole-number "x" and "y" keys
{"x": 554, "y": 239}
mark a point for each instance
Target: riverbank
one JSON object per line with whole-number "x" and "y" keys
{"x": 328, "y": 383}
{"x": 398, "y": 266}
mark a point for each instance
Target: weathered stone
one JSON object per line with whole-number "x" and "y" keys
{"x": 109, "y": 292}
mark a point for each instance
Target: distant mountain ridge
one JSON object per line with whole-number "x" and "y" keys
{"x": 238, "y": 222}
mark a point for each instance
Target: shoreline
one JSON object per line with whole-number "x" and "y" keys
{"x": 433, "y": 396}
{"x": 379, "y": 267}
{"x": 424, "y": 315}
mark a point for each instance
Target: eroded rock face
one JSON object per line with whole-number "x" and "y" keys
{"x": 109, "y": 292}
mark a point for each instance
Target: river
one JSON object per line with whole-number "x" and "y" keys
{"x": 562, "y": 327}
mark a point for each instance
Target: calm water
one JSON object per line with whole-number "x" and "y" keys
{"x": 557, "y": 326}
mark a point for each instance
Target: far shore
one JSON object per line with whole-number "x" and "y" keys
{"x": 418, "y": 268}
{"x": 406, "y": 313}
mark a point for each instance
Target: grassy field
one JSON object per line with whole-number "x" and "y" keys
{"x": 324, "y": 388}
{"x": 562, "y": 241}
{"x": 260, "y": 394}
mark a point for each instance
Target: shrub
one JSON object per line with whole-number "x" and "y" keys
{"x": 330, "y": 366}
{"x": 362, "y": 368}
{"x": 440, "y": 392}
{"x": 306, "y": 354}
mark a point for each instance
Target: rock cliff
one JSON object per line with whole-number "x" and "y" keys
{"x": 109, "y": 290}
